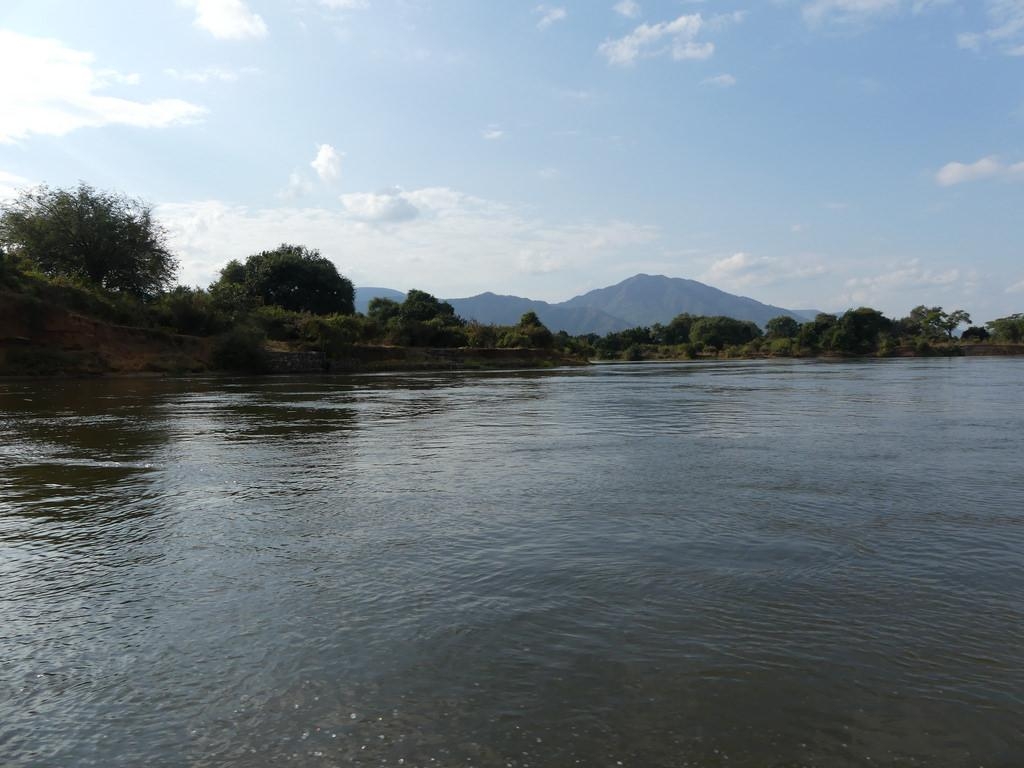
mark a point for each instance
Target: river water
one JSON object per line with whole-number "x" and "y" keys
{"x": 733, "y": 564}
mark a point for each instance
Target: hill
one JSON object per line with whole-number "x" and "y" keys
{"x": 647, "y": 299}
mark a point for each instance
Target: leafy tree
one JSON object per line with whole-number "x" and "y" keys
{"x": 812, "y": 334}
{"x": 719, "y": 332}
{"x": 975, "y": 333}
{"x": 782, "y": 327}
{"x": 103, "y": 238}
{"x": 950, "y": 322}
{"x": 933, "y": 322}
{"x": 423, "y": 321}
{"x": 295, "y": 278}
{"x": 678, "y": 329}
{"x": 1009, "y": 329}
{"x": 422, "y": 306}
{"x": 383, "y": 310}
{"x": 530, "y": 333}
{"x": 857, "y": 331}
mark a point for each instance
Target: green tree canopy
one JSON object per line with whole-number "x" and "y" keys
{"x": 382, "y": 310}
{"x": 103, "y": 238}
{"x": 782, "y": 327}
{"x": 719, "y": 331}
{"x": 933, "y": 322}
{"x": 292, "y": 277}
{"x": 1007, "y": 328}
{"x": 678, "y": 329}
{"x": 422, "y": 306}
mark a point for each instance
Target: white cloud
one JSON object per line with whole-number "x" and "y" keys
{"x": 627, "y": 8}
{"x": 549, "y": 15}
{"x": 909, "y": 275}
{"x": 1006, "y": 30}
{"x": 327, "y": 163}
{"x": 677, "y": 38}
{"x": 227, "y": 19}
{"x": 1016, "y": 287}
{"x": 210, "y": 74}
{"x": 388, "y": 206}
{"x": 743, "y": 270}
{"x": 454, "y": 245}
{"x": 986, "y": 168}
{"x": 492, "y": 133}
{"x": 66, "y": 91}
{"x": 720, "y": 81}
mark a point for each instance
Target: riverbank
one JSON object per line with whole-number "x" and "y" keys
{"x": 45, "y": 338}
{"x": 38, "y": 338}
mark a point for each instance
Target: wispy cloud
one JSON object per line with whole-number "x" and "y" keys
{"x": 210, "y": 74}
{"x": 743, "y": 270}
{"x": 1006, "y": 30}
{"x": 492, "y": 133}
{"x": 227, "y": 19}
{"x": 720, "y": 81}
{"x": 677, "y": 38}
{"x": 908, "y": 275}
{"x": 549, "y": 15}
{"x": 67, "y": 91}
{"x": 860, "y": 12}
{"x": 990, "y": 167}
{"x": 627, "y": 8}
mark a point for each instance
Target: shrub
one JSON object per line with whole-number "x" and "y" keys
{"x": 240, "y": 349}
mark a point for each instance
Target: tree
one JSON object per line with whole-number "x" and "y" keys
{"x": 1009, "y": 329}
{"x": 382, "y": 310}
{"x": 782, "y": 327}
{"x": 530, "y": 333}
{"x": 719, "y": 332}
{"x": 975, "y": 333}
{"x": 858, "y": 331}
{"x": 422, "y": 306}
{"x": 296, "y": 278}
{"x": 678, "y": 329}
{"x": 424, "y": 321}
{"x": 933, "y": 322}
{"x": 103, "y": 238}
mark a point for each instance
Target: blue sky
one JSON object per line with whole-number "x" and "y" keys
{"x": 807, "y": 153}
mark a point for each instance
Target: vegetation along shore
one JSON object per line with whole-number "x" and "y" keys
{"x": 87, "y": 286}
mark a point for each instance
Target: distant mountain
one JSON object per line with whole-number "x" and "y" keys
{"x": 639, "y": 300}
{"x": 649, "y": 299}
{"x": 506, "y": 310}
{"x": 365, "y": 295}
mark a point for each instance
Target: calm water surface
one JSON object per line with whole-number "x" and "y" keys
{"x": 743, "y": 564}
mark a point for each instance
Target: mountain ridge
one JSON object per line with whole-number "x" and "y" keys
{"x": 639, "y": 300}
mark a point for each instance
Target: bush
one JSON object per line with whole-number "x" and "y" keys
{"x": 190, "y": 311}
{"x": 240, "y": 349}
{"x": 278, "y": 323}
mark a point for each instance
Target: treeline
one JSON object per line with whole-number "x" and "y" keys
{"x": 105, "y": 255}
{"x": 862, "y": 331}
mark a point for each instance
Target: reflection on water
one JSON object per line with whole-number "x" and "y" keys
{"x": 744, "y": 564}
